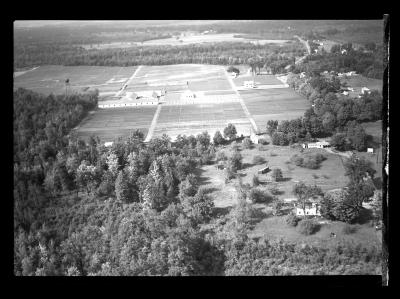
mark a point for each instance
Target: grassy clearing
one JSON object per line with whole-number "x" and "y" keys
{"x": 275, "y": 227}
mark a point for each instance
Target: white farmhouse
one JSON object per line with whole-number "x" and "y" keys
{"x": 108, "y": 144}
{"x": 344, "y": 51}
{"x": 370, "y": 150}
{"x": 311, "y": 209}
{"x": 249, "y": 84}
{"x": 365, "y": 90}
{"x": 319, "y": 144}
{"x": 346, "y": 93}
{"x": 302, "y": 75}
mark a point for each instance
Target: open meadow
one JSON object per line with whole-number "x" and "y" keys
{"x": 51, "y": 78}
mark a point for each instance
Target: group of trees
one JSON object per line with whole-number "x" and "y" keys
{"x": 331, "y": 115}
{"x": 367, "y": 61}
{"x": 347, "y": 204}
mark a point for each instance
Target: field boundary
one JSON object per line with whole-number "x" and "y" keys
{"x": 153, "y": 124}
{"x": 129, "y": 81}
{"x": 246, "y": 111}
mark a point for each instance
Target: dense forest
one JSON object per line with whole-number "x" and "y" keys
{"x": 225, "y": 53}
{"x": 138, "y": 209}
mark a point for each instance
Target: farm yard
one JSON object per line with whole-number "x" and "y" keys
{"x": 51, "y": 78}
{"x": 330, "y": 175}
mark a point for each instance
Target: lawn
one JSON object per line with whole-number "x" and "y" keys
{"x": 274, "y": 104}
{"x": 275, "y": 227}
{"x": 51, "y": 78}
{"x": 112, "y": 123}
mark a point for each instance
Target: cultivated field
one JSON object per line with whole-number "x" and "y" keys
{"x": 110, "y": 124}
{"x": 51, "y": 78}
{"x": 275, "y": 104}
{"x": 197, "y": 118}
{"x": 216, "y": 103}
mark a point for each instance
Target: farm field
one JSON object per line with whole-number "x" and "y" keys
{"x": 196, "y": 118}
{"x": 109, "y": 124}
{"x": 275, "y": 104}
{"x": 51, "y": 78}
{"x": 180, "y": 77}
{"x": 258, "y": 79}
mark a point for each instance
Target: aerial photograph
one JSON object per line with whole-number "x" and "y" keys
{"x": 198, "y": 147}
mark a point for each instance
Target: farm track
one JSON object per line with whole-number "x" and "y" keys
{"x": 153, "y": 124}
{"x": 246, "y": 111}
{"x": 129, "y": 81}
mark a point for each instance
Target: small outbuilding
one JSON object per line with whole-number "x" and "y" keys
{"x": 108, "y": 144}
{"x": 264, "y": 170}
{"x": 311, "y": 209}
{"x": 249, "y": 84}
{"x": 188, "y": 95}
{"x": 365, "y": 90}
{"x": 319, "y": 144}
{"x": 370, "y": 150}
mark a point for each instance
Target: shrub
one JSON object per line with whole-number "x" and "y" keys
{"x": 255, "y": 180}
{"x": 315, "y": 176}
{"x": 259, "y": 196}
{"x": 292, "y": 219}
{"x": 277, "y": 207}
{"x": 309, "y": 160}
{"x": 221, "y": 156}
{"x": 277, "y": 174}
{"x": 247, "y": 143}
{"x": 262, "y": 148}
{"x": 349, "y": 229}
{"x": 308, "y": 227}
{"x": 274, "y": 190}
{"x": 258, "y": 159}
{"x": 272, "y": 154}
{"x": 263, "y": 141}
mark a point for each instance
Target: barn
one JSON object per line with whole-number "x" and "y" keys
{"x": 249, "y": 84}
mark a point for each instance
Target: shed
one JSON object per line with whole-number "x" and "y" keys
{"x": 108, "y": 144}
{"x": 370, "y": 150}
{"x": 319, "y": 144}
{"x": 264, "y": 170}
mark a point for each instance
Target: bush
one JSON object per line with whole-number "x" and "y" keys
{"x": 263, "y": 141}
{"x": 349, "y": 229}
{"x": 259, "y": 196}
{"x": 221, "y": 156}
{"x": 255, "y": 180}
{"x": 247, "y": 143}
{"x": 308, "y": 227}
{"x": 258, "y": 160}
{"x": 277, "y": 174}
{"x": 262, "y": 148}
{"x": 309, "y": 160}
{"x": 292, "y": 219}
{"x": 277, "y": 207}
{"x": 272, "y": 154}
{"x": 315, "y": 176}
{"x": 274, "y": 190}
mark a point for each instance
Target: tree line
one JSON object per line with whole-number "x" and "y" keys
{"x": 225, "y": 53}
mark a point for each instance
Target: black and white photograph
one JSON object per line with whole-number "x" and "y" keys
{"x": 200, "y": 147}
